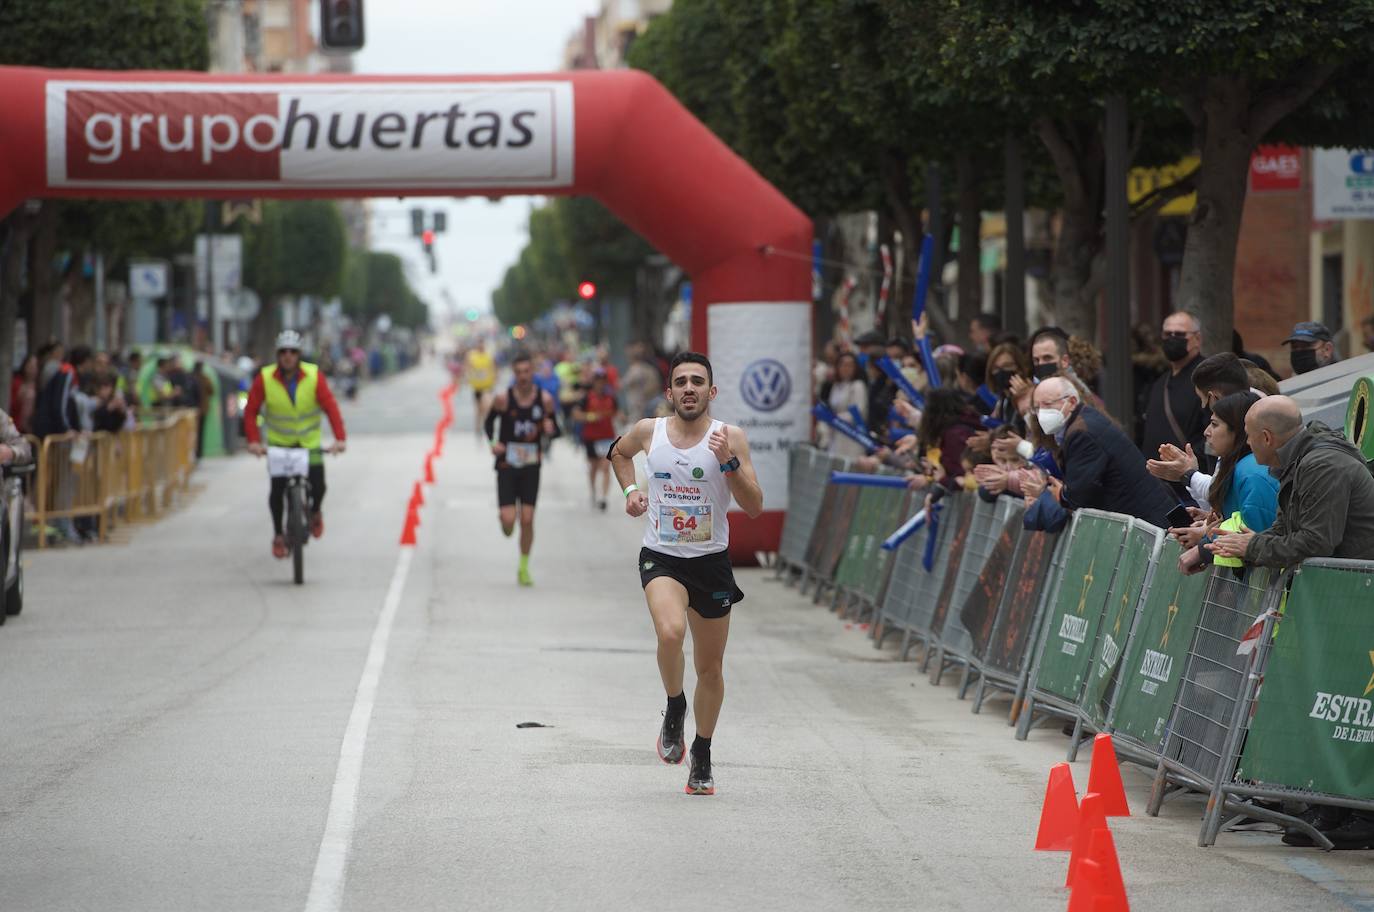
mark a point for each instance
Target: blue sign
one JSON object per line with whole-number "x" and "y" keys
{"x": 765, "y": 385}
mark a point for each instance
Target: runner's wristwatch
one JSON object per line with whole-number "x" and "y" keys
{"x": 731, "y": 466}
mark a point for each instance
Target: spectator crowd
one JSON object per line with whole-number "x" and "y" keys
{"x": 1216, "y": 456}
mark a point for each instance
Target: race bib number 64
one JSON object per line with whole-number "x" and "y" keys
{"x": 684, "y": 525}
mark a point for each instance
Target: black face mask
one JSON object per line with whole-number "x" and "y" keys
{"x": 1045, "y": 371}
{"x": 1001, "y": 380}
{"x": 1303, "y": 360}
{"x": 1175, "y": 349}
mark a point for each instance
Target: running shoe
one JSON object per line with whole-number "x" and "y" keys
{"x": 317, "y": 524}
{"x": 279, "y": 549}
{"x": 523, "y": 576}
{"x": 671, "y": 746}
{"x": 699, "y": 781}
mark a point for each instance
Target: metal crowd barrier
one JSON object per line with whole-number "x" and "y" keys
{"x": 912, "y": 593}
{"x": 100, "y": 477}
{"x": 1098, "y": 625}
{"x": 954, "y": 644}
{"x": 808, "y": 469}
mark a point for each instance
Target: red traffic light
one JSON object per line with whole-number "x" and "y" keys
{"x": 427, "y": 237}
{"x": 586, "y": 290}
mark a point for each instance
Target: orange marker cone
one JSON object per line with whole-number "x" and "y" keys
{"x": 417, "y": 496}
{"x": 1104, "y": 777}
{"x": 1059, "y": 815}
{"x": 1090, "y": 817}
{"x": 1100, "y": 887}
{"x": 429, "y": 469}
{"x": 408, "y": 530}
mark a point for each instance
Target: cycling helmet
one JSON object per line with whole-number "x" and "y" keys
{"x": 289, "y": 338}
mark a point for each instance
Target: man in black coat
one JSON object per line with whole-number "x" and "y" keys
{"x": 1102, "y": 468}
{"x": 1174, "y": 414}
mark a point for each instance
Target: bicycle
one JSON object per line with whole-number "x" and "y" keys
{"x": 293, "y": 464}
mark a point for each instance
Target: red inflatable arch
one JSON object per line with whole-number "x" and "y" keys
{"x": 617, "y": 136}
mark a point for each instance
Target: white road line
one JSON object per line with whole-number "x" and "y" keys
{"x": 331, "y": 865}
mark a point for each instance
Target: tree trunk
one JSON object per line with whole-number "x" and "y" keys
{"x": 1077, "y": 154}
{"x": 1209, "y": 254}
{"x": 970, "y": 288}
{"x": 897, "y": 192}
{"x": 41, "y": 277}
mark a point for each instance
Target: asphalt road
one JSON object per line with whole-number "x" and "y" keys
{"x": 181, "y": 725}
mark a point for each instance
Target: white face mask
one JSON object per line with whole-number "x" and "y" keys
{"x": 1051, "y": 420}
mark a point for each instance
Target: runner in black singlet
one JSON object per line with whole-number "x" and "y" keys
{"x": 527, "y": 416}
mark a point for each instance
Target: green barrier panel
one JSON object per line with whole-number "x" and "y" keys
{"x": 1117, "y": 619}
{"x": 958, "y": 543}
{"x": 1154, "y": 661}
{"x": 860, "y": 527}
{"x": 877, "y": 562}
{"x": 1072, "y": 624}
{"x": 1314, "y": 723}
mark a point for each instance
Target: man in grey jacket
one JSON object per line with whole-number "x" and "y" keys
{"x": 1326, "y": 509}
{"x": 1326, "y": 493}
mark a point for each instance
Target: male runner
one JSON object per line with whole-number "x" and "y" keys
{"x": 695, "y": 465}
{"x": 480, "y": 370}
{"x": 526, "y": 414}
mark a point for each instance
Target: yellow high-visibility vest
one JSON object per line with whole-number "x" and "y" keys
{"x": 291, "y": 424}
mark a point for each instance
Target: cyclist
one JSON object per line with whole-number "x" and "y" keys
{"x": 291, "y": 395}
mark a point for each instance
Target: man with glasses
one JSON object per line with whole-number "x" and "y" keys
{"x": 292, "y": 395}
{"x": 1101, "y": 467}
{"x": 1174, "y": 415}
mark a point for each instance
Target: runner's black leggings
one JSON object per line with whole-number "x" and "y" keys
{"x": 276, "y": 500}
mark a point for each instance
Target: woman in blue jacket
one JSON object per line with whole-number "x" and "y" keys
{"x": 1240, "y": 485}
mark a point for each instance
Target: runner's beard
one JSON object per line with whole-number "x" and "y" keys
{"x": 698, "y": 408}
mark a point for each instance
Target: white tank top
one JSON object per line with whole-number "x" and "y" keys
{"x": 688, "y": 497}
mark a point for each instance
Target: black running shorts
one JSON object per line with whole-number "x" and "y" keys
{"x": 520, "y": 484}
{"x": 709, "y": 580}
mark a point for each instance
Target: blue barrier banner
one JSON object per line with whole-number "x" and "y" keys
{"x": 871, "y": 481}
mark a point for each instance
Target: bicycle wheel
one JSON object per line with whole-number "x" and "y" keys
{"x": 296, "y": 531}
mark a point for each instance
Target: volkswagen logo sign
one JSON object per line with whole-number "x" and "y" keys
{"x": 765, "y": 385}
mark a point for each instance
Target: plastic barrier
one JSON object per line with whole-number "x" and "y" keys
{"x": 955, "y": 646}
{"x": 132, "y": 475}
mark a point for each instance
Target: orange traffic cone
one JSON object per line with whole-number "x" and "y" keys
{"x": 429, "y": 469}
{"x": 417, "y": 496}
{"x": 1100, "y": 887}
{"x": 1104, "y": 777}
{"x": 1059, "y": 815}
{"x": 1090, "y": 817}
{"x": 408, "y": 530}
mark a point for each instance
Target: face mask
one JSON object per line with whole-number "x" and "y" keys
{"x": 1303, "y": 360}
{"x": 1209, "y": 449}
{"x": 1175, "y": 349}
{"x": 1045, "y": 371}
{"x": 1051, "y": 420}
{"x": 1001, "y": 380}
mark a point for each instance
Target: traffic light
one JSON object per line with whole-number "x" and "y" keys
{"x": 341, "y": 25}
{"x": 440, "y": 222}
{"x": 472, "y": 315}
{"x": 417, "y": 222}
{"x": 586, "y": 290}
{"x": 427, "y": 238}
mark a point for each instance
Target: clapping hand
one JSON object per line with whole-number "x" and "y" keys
{"x": 1172, "y": 463}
